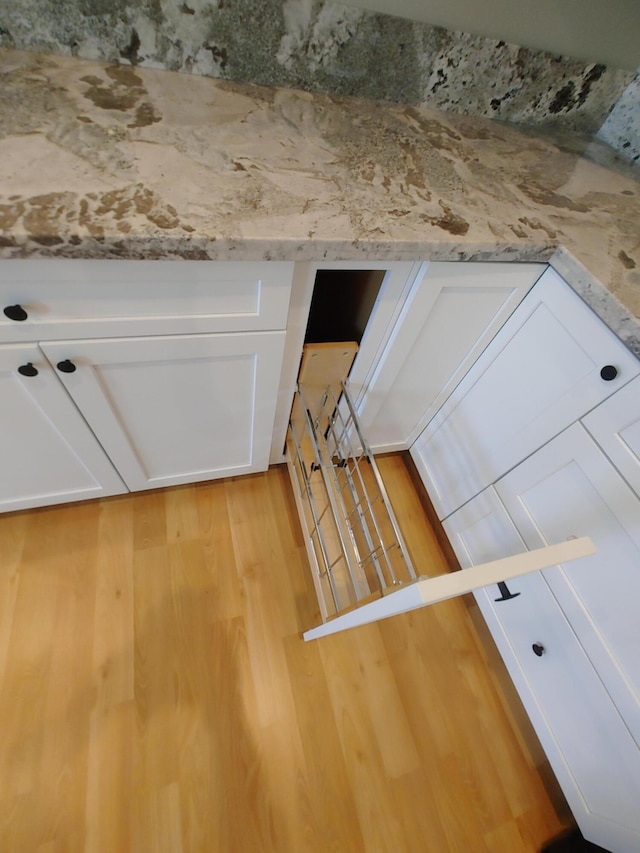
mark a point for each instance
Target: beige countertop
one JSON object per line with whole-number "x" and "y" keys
{"x": 121, "y": 162}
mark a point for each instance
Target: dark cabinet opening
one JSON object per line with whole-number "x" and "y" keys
{"x": 342, "y": 304}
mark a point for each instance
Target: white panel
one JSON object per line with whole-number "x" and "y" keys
{"x": 453, "y": 311}
{"x": 569, "y": 488}
{"x": 615, "y": 425}
{"x": 540, "y": 373}
{"x": 47, "y": 453}
{"x": 586, "y": 740}
{"x": 65, "y": 298}
{"x": 174, "y": 410}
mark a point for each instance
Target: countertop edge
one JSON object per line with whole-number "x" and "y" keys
{"x": 601, "y": 301}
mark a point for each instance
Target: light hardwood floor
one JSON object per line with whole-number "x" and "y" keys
{"x": 155, "y": 694}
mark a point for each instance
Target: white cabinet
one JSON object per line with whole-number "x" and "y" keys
{"x": 515, "y": 460}
{"x": 583, "y": 692}
{"x": 172, "y": 410}
{"x": 48, "y": 455}
{"x": 173, "y": 371}
{"x": 539, "y": 374}
{"x": 566, "y": 489}
{"x": 569, "y": 673}
{"x": 448, "y": 318}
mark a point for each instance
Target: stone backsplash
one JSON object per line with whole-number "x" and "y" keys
{"x": 622, "y": 128}
{"x": 330, "y": 48}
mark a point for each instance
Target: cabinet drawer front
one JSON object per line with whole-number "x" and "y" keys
{"x": 615, "y": 425}
{"x": 541, "y": 373}
{"x": 74, "y": 298}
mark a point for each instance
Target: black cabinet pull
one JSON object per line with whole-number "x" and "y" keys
{"x": 66, "y": 366}
{"x": 538, "y": 649}
{"x": 506, "y": 593}
{"x": 27, "y": 370}
{"x": 15, "y": 312}
{"x": 609, "y": 372}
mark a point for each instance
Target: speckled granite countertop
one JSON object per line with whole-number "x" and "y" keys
{"x": 115, "y": 161}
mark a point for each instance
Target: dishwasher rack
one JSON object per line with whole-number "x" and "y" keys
{"x": 354, "y": 542}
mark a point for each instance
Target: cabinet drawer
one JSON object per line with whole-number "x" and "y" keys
{"x": 81, "y": 298}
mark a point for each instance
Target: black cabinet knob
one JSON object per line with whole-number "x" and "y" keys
{"x": 609, "y": 372}
{"x": 15, "y": 312}
{"x": 27, "y": 370}
{"x": 538, "y": 649}
{"x": 66, "y": 366}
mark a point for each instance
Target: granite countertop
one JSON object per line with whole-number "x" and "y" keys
{"x": 112, "y": 161}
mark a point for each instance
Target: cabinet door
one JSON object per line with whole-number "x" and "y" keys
{"x": 172, "y": 410}
{"x": 615, "y": 425}
{"x": 451, "y": 314}
{"x": 569, "y": 488}
{"x": 585, "y": 737}
{"x": 48, "y": 455}
{"x": 541, "y": 373}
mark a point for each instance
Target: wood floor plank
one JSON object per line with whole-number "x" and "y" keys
{"x": 112, "y": 744}
{"x": 113, "y": 629}
{"x": 12, "y": 538}
{"x": 181, "y": 512}
{"x": 330, "y": 816}
{"x": 214, "y": 533}
{"x": 156, "y": 695}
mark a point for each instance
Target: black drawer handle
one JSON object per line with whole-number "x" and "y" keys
{"x": 15, "y": 312}
{"x": 538, "y": 649}
{"x": 27, "y": 370}
{"x": 66, "y": 366}
{"x": 609, "y": 372}
{"x": 506, "y": 592}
